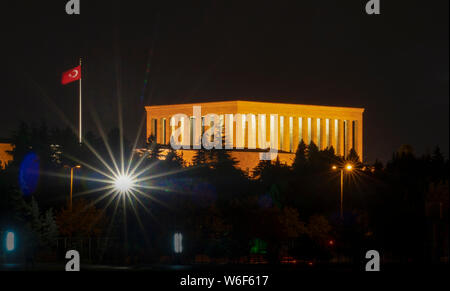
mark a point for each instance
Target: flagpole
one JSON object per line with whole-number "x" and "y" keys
{"x": 80, "y": 110}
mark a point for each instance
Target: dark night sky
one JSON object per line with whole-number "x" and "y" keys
{"x": 308, "y": 52}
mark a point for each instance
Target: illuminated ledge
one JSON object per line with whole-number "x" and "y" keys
{"x": 238, "y": 106}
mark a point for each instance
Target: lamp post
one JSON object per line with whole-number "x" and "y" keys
{"x": 347, "y": 167}
{"x": 71, "y": 183}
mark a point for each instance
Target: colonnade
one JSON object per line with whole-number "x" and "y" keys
{"x": 341, "y": 134}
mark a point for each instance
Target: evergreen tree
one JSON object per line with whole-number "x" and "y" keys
{"x": 331, "y": 151}
{"x": 200, "y": 157}
{"x": 49, "y": 228}
{"x": 354, "y": 158}
{"x": 312, "y": 151}
{"x": 313, "y": 156}
{"x": 43, "y": 226}
{"x": 223, "y": 160}
{"x": 260, "y": 168}
{"x": 377, "y": 165}
{"x": 300, "y": 156}
{"x": 154, "y": 149}
{"x": 173, "y": 159}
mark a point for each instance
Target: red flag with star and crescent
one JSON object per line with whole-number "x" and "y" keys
{"x": 71, "y": 75}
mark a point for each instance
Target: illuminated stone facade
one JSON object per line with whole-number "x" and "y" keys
{"x": 5, "y": 157}
{"x": 326, "y": 126}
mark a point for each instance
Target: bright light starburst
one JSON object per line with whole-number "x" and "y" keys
{"x": 129, "y": 182}
{"x": 124, "y": 183}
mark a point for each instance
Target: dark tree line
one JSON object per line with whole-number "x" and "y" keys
{"x": 278, "y": 210}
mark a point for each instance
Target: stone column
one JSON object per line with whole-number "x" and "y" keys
{"x": 229, "y": 131}
{"x": 257, "y": 129}
{"x": 268, "y": 129}
{"x": 296, "y": 134}
{"x": 349, "y": 136}
{"x": 276, "y": 127}
{"x": 159, "y": 131}
{"x": 239, "y": 133}
{"x": 246, "y": 129}
{"x": 159, "y": 138}
{"x": 156, "y": 129}
{"x": 305, "y": 130}
{"x": 332, "y": 135}
{"x": 152, "y": 130}
{"x": 149, "y": 126}
{"x": 251, "y": 131}
{"x": 359, "y": 138}
{"x": 314, "y": 137}
{"x": 323, "y": 134}
{"x": 163, "y": 129}
{"x": 261, "y": 130}
{"x": 286, "y": 135}
{"x": 340, "y": 150}
{"x": 280, "y": 126}
{"x": 234, "y": 127}
{"x": 167, "y": 130}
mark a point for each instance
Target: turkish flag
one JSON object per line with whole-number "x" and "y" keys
{"x": 71, "y": 75}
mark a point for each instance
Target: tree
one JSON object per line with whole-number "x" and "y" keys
{"x": 84, "y": 220}
{"x": 42, "y": 225}
{"x": 222, "y": 160}
{"x": 173, "y": 159}
{"x": 200, "y": 157}
{"x": 312, "y": 151}
{"x": 314, "y": 157}
{"x": 260, "y": 168}
{"x": 377, "y": 165}
{"x": 300, "y": 156}
{"x": 318, "y": 229}
{"x": 353, "y": 158}
{"x": 290, "y": 222}
{"x": 49, "y": 228}
{"x": 154, "y": 148}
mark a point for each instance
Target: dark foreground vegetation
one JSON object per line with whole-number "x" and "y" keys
{"x": 274, "y": 214}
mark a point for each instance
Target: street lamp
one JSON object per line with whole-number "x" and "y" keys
{"x": 347, "y": 167}
{"x": 71, "y": 183}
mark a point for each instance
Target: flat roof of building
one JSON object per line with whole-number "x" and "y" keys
{"x": 242, "y": 102}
